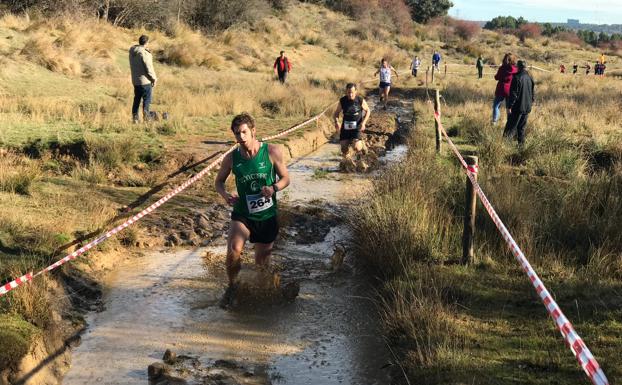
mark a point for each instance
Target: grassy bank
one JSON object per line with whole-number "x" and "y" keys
{"x": 560, "y": 198}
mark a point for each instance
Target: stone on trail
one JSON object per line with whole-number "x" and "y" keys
{"x": 157, "y": 370}
{"x": 169, "y": 357}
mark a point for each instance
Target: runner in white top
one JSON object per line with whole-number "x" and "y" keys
{"x": 385, "y": 80}
{"x": 414, "y": 66}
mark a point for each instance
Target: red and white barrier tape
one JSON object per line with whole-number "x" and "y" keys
{"x": 4, "y": 289}
{"x": 574, "y": 341}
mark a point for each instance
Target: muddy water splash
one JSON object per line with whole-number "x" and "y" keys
{"x": 168, "y": 300}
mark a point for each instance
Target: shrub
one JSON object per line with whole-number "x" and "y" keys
{"x": 399, "y": 13}
{"x": 569, "y": 36}
{"x": 467, "y": 30}
{"x": 529, "y": 30}
{"x": 17, "y": 174}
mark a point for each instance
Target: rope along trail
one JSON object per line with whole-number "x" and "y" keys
{"x": 4, "y": 289}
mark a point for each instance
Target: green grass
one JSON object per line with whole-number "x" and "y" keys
{"x": 15, "y": 338}
{"x": 320, "y": 173}
{"x": 483, "y": 323}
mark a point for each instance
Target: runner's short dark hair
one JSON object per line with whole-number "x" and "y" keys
{"x": 350, "y": 85}
{"x": 143, "y": 39}
{"x": 243, "y": 118}
{"x": 282, "y": 52}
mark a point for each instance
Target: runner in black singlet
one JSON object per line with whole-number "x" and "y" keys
{"x": 355, "y": 116}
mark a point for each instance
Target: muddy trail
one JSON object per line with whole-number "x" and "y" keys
{"x": 168, "y": 300}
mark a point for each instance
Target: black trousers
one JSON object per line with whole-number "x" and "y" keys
{"x": 480, "y": 72}
{"x": 515, "y": 126}
{"x": 282, "y": 76}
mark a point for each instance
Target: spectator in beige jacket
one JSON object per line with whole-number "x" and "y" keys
{"x": 143, "y": 77}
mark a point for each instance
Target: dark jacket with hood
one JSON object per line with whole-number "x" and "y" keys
{"x": 522, "y": 93}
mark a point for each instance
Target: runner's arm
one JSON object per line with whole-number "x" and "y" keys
{"x": 276, "y": 156}
{"x": 336, "y": 117}
{"x": 367, "y": 113}
{"x": 223, "y": 174}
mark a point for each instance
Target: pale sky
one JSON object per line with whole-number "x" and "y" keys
{"x": 596, "y": 12}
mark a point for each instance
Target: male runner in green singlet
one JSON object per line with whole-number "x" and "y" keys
{"x": 255, "y": 166}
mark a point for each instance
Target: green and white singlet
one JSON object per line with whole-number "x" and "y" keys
{"x": 250, "y": 176}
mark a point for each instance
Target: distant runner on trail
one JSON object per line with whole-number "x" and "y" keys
{"x": 385, "y": 80}
{"x": 414, "y": 65}
{"x": 256, "y": 166}
{"x": 436, "y": 59}
{"x": 282, "y": 67}
{"x": 355, "y": 116}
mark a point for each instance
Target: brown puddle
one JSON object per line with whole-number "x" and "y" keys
{"x": 169, "y": 300}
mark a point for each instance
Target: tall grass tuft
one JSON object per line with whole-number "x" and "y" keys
{"x": 17, "y": 174}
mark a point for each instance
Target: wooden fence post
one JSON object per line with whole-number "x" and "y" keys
{"x": 432, "y": 78}
{"x": 427, "y": 70}
{"x": 470, "y": 205}
{"x": 445, "y": 68}
{"x": 437, "y": 128}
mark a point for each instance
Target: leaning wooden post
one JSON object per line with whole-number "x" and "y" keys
{"x": 432, "y": 78}
{"x": 470, "y": 205}
{"x": 437, "y": 127}
{"x": 445, "y": 69}
{"x": 427, "y": 70}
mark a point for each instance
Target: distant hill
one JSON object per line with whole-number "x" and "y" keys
{"x": 607, "y": 28}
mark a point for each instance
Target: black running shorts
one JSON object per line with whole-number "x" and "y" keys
{"x": 261, "y": 231}
{"x": 349, "y": 134}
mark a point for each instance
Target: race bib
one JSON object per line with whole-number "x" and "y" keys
{"x": 257, "y": 203}
{"x": 349, "y": 125}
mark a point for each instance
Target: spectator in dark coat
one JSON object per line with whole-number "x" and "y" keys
{"x": 504, "y": 79}
{"x": 521, "y": 98}
{"x": 480, "y": 67}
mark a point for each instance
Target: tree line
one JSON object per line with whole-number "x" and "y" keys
{"x": 516, "y": 25}
{"x": 217, "y": 14}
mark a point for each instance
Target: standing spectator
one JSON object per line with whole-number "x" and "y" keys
{"x": 143, "y": 77}
{"x": 575, "y": 68}
{"x": 587, "y": 68}
{"x": 519, "y": 103}
{"x": 602, "y": 58}
{"x": 504, "y": 78}
{"x": 282, "y": 66}
{"x": 436, "y": 59}
{"x": 480, "y": 67}
{"x": 602, "y": 69}
{"x": 562, "y": 68}
{"x": 414, "y": 66}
